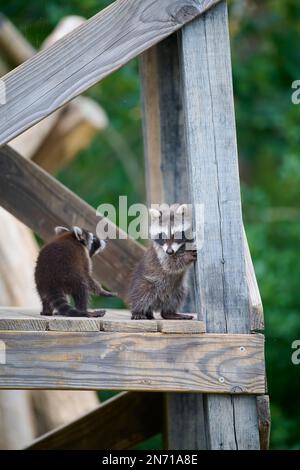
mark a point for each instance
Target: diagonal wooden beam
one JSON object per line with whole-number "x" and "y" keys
{"x": 41, "y": 202}
{"x": 88, "y": 54}
{"x": 119, "y": 423}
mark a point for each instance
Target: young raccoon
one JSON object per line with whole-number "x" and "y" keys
{"x": 158, "y": 281}
{"x": 64, "y": 268}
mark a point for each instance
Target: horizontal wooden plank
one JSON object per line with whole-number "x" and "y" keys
{"x": 41, "y": 202}
{"x": 86, "y": 55}
{"x": 208, "y": 363}
{"x": 179, "y": 326}
{"x": 119, "y": 423}
{"x": 27, "y": 319}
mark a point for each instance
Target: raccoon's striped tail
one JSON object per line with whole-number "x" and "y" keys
{"x": 59, "y": 302}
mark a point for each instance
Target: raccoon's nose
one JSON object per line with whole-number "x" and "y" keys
{"x": 170, "y": 251}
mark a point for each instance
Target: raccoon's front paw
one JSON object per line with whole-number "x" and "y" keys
{"x": 138, "y": 316}
{"x": 191, "y": 256}
{"x": 95, "y": 313}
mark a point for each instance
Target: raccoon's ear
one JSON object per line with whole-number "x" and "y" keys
{"x": 59, "y": 230}
{"x": 77, "y": 232}
{"x": 181, "y": 209}
{"x": 154, "y": 213}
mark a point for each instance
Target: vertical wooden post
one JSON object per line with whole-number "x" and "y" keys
{"x": 167, "y": 181}
{"x": 231, "y": 421}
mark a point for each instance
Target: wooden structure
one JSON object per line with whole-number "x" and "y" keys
{"x": 190, "y": 144}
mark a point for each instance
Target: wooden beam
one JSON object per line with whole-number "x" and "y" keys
{"x": 42, "y": 203}
{"x": 207, "y": 363}
{"x": 119, "y": 423}
{"x": 86, "y": 55}
{"x": 167, "y": 181}
{"x": 264, "y": 421}
{"x": 231, "y": 422}
{"x": 256, "y": 308}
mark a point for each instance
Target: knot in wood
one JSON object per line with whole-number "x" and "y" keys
{"x": 237, "y": 389}
{"x": 185, "y": 12}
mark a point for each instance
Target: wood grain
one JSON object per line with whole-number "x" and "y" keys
{"x": 256, "y": 307}
{"x": 209, "y": 363}
{"x": 264, "y": 421}
{"x": 88, "y": 54}
{"x": 167, "y": 181}
{"x": 231, "y": 423}
{"x": 179, "y": 326}
{"x": 42, "y": 203}
{"x": 119, "y": 423}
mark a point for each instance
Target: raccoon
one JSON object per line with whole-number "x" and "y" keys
{"x": 64, "y": 268}
{"x": 159, "y": 280}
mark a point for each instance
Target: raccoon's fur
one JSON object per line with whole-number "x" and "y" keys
{"x": 64, "y": 268}
{"x": 159, "y": 280}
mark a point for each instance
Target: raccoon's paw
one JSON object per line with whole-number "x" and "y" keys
{"x": 138, "y": 316}
{"x": 191, "y": 256}
{"x": 95, "y": 313}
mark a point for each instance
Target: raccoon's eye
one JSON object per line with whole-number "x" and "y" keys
{"x": 181, "y": 249}
{"x": 161, "y": 238}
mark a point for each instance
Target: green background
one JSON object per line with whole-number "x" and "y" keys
{"x": 265, "y": 39}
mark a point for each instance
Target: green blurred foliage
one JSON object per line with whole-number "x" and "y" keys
{"x": 266, "y": 60}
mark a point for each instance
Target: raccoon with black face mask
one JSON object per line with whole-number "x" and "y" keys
{"x": 159, "y": 280}
{"x": 64, "y": 268}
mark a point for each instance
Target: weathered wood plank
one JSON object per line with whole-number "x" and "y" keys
{"x": 88, "y": 54}
{"x": 120, "y": 423}
{"x": 73, "y": 324}
{"x": 264, "y": 421}
{"x": 129, "y": 326}
{"x": 256, "y": 307}
{"x": 214, "y": 182}
{"x": 167, "y": 181}
{"x": 185, "y": 423}
{"x": 179, "y": 326}
{"x": 42, "y": 203}
{"x": 133, "y": 361}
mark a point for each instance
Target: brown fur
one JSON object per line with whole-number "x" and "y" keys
{"x": 64, "y": 268}
{"x": 158, "y": 283}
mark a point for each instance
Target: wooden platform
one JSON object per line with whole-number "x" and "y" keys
{"x": 28, "y": 319}
{"x": 116, "y": 353}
